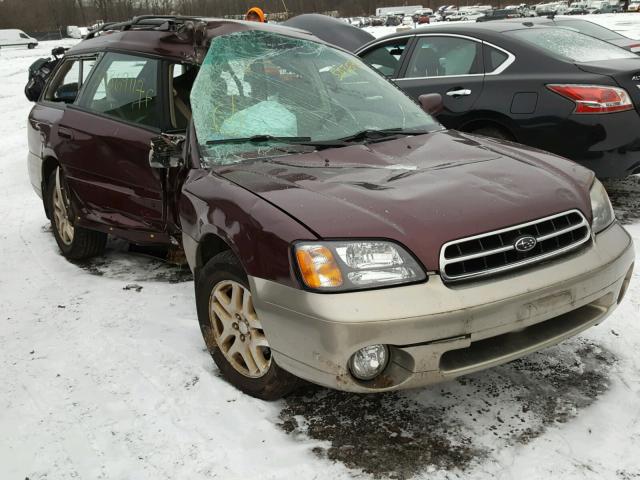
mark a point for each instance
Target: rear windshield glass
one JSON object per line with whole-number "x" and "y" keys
{"x": 571, "y": 45}
{"x": 590, "y": 29}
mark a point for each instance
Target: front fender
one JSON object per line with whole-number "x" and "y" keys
{"x": 259, "y": 233}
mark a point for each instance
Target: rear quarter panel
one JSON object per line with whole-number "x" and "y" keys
{"x": 43, "y": 120}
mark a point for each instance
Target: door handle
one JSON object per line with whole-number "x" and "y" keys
{"x": 65, "y": 133}
{"x": 460, "y": 92}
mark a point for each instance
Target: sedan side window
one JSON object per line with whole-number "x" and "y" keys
{"x": 493, "y": 58}
{"x": 445, "y": 56}
{"x": 386, "y": 58}
{"x": 69, "y": 79}
{"x": 125, "y": 87}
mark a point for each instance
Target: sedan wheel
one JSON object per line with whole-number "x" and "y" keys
{"x": 237, "y": 331}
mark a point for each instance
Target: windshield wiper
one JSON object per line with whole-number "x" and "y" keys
{"x": 380, "y": 135}
{"x": 260, "y": 139}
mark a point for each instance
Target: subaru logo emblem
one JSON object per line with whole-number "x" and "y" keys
{"x": 525, "y": 243}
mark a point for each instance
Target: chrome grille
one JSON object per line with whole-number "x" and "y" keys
{"x": 494, "y": 252}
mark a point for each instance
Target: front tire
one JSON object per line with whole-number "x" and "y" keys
{"x": 31, "y": 46}
{"x": 233, "y": 333}
{"x": 76, "y": 243}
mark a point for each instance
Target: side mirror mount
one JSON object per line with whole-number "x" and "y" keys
{"x": 166, "y": 151}
{"x": 66, "y": 93}
{"x": 431, "y": 103}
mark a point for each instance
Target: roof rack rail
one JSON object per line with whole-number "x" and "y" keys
{"x": 144, "y": 22}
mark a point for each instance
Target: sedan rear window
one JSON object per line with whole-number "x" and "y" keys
{"x": 571, "y": 45}
{"x": 591, "y": 29}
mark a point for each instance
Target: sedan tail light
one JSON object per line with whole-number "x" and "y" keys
{"x": 595, "y": 98}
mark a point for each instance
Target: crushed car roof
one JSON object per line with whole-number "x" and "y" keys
{"x": 162, "y": 39}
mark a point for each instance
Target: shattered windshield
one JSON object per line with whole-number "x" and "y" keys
{"x": 263, "y": 94}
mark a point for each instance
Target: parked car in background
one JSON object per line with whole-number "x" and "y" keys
{"x": 392, "y": 21}
{"x": 499, "y": 14}
{"x": 604, "y": 8}
{"x": 464, "y": 15}
{"x": 633, "y": 7}
{"x": 524, "y": 10}
{"x": 472, "y": 16}
{"x": 16, "y": 38}
{"x": 354, "y": 243}
{"x": 421, "y": 12}
{"x": 592, "y": 29}
{"x": 407, "y": 21}
{"x": 553, "y": 8}
{"x": 528, "y": 11}
{"x": 577, "y": 11}
{"x": 529, "y": 83}
{"x": 454, "y": 16}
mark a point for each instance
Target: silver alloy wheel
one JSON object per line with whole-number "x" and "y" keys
{"x": 61, "y": 212}
{"x": 236, "y": 329}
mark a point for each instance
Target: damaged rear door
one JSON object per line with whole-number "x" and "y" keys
{"x": 108, "y": 133}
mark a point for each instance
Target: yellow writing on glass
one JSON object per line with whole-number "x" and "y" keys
{"x": 345, "y": 69}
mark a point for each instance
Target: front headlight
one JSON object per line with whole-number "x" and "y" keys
{"x": 603, "y": 214}
{"x": 355, "y": 265}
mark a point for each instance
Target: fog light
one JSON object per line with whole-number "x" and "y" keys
{"x": 369, "y": 362}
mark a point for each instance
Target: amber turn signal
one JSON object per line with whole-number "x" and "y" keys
{"x": 318, "y": 267}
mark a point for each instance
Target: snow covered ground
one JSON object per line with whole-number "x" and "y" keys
{"x": 101, "y": 381}
{"x": 627, "y": 24}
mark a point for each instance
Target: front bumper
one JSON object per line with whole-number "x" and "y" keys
{"x": 437, "y": 331}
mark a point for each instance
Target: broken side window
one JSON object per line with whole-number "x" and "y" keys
{"x": 258, "y": 92}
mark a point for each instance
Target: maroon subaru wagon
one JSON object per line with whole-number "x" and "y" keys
{"x": 336, "y": 232}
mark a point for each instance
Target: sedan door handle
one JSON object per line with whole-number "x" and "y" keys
{"x": 65, "y": 133}
{"x": 461, "y": 92}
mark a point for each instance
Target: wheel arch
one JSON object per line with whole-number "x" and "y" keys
{"x": 482, "y": 119}
{"x": 208, "y": 247}
{"x": 49, "y": 164}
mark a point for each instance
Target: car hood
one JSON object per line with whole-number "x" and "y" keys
{"x": 420, "y": 191}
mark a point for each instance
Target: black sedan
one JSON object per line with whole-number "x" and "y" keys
{"x": 543, "y": 86}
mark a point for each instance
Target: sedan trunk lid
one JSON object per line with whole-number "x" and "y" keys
{"x": 625, "y": 71}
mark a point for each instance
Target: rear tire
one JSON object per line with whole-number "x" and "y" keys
{"x": 493, "y": 132}
{"x": 233, "y": 333}
{"x": 76, "y": 243}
